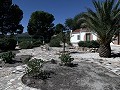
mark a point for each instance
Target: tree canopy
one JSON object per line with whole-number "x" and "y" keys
{"x": 41, "y": 25}
{"x": 59, "y": 28}
{"x": 74, "y": 23}
{"x": 10, "y": 17}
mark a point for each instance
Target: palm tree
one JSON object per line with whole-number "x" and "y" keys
{"x": 105, "y": 22}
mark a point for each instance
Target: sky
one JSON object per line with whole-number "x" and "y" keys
{"x": 60, "y": 9}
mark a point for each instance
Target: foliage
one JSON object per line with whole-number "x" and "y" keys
{"x": 89, "y": 44}
{"x": 11, "y": 43}
{"x": 75, "y": 22}
{"x": 7, "y": 57}
{"x": 54, "y": 42}
{"x": 34, "y": 67}
{"x": 10, "y": 17}
{"x": 59, "y": 28}
{"x": 21, "y": 39}
{"x": 41, "y": 25}
{"x": 26, "y": 45}
{"x": 60, "y": 38}
{"x": 82, "y": 44}
{"x": 70, "y": 23}
{"x": 105, "y": 22}
{"x": 66, "y": 59}
{"x": 7, "y": 44}
{"x": 37, "y": 43}
{"x": 94, "y": 44}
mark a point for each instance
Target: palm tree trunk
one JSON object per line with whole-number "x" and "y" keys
{"x": 105, "y": 50}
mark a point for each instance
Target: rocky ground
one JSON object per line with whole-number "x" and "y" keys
{"x": 10, "y": 77}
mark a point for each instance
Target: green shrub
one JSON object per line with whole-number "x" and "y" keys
{"x": 7, "y": 57}
{"x": 66, "y": 59}
{"x": 37, "y": 43}
{"x": 82, "y": 44}
{"x": 26, "y": 45}
{"x": 89, "y": 44}
{"x": 12, "y": 44}
{"x": 54, "y": 43}
{"x": 21, "y": 39}
{"x": 7, "y": 44}
{"x": 95, "y": 44}
{"x": 34, "y": 67}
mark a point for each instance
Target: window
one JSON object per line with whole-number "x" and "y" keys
{"x": 78, "y": 37}
{"x": 88, "y": 36}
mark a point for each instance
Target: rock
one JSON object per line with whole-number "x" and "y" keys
{"x": 20, "y": 88}
{"x": 108, "y": 64}
{"x": 14, "y": 71}
{"x": 19, "y": 68}
{"x": 12, "y": 80}
{"x": 1, "y": 68}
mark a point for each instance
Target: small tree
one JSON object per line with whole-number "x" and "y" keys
{"x": 41, "y": 25}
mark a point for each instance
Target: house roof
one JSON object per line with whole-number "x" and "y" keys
{"x": 80, "y": 30}
{"x": 76, "y": 31}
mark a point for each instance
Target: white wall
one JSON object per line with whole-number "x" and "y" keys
{"x": 82, "y": 36}
{"x": 73, "y": 38}
{"x": 94, "y": 36}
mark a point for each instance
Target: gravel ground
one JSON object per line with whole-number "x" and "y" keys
{"x": 10, "y": 77}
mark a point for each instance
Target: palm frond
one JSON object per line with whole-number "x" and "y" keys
{"x": 104, "y": 20}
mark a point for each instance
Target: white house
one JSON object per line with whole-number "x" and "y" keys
{"x": 81, "y": 35}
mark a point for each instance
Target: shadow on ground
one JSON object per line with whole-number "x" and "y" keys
{"x": 114, "y": 55}
{"x": 86, "y": 76}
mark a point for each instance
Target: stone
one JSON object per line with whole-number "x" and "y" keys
{"x": 108, "y": 64}
{"x": 19, "y": 88}
{"x": 12, "y": 80}
{"x": 19, "y": 68}
{"x": 14, "y": 71}
{"x": 9, "y": 83}
{"x": 1, "y": 68}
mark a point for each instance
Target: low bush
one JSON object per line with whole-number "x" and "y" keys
{"x": 26, "y": 45}
{"x": 34, "y": 67}
{"x": 37, "y": 43}
{"x": 82, "y": 44}
{"x": 89, "y": 44}
{"x": 12, "y": 43}
{"x": 66, "y": 59}
{"x": 95, "y": 44}
{"x": 54, "y": 43}
{"x": 7, "y": 57}
{"x": 7, "y": 44}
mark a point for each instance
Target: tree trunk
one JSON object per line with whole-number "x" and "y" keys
{"x": 105, "y": 51}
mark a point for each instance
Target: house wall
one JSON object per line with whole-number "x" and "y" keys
{"x": 94, "y": 37}
{"x": 83, "y": 38}
{"x": 73, "y": 38}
